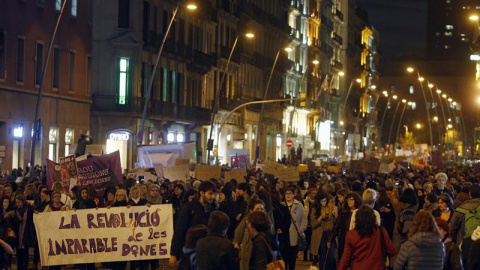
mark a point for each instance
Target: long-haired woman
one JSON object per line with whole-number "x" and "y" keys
{"x": 323, "y": 219}
{"x": 424, "y": 248}
{"x": 363, "y": 245}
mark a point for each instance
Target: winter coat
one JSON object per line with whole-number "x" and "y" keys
{"x": 193, "y": 213}
{"x": 242, "y": 238}
{"x": 216, "y": 252}
{"x": 29, "y": 234}
{"x": 282, "y": 221}
{"x": 470, "y": 248}
{"x": 261, "y": 255}
{"x": 422, "y": 251}
{"x": 298, "y": 215}
{"x": 365, "y": 253}
{"x": 457, "y": 221}
{"x": 453, "y": 259}
{"x": 319, "y": 227}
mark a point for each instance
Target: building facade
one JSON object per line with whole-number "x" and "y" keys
{"x": 26, "y": 29}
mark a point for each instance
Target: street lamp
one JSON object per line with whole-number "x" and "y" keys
{"x": 393, "y": 120}
{"x": 217, "y": 95}
{"x": 190, "y": 6}
{"x": 36, "y": 121}
{"x": 405, "y": 103}
{"x": 260, "y": 118}
{"x": 421, "y": 79}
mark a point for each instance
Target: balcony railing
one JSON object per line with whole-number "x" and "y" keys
{"x": 157, "y": 108}
{"x": 339, "y": 14}
{"x": 337, "y": 38}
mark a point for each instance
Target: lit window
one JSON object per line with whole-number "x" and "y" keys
{"x": 414, "y": 105}
{"x": 449, "y": 27}
{"x": 18, "y": 132}
{"x": 447, "y": 47}
{"x": 170, "y": 137}
{"x": 279, "y": 140}
{"x": 411, "y": 90}
{"x": 448, "y": 34}
{"x": 122, "y": 80}
{"x": 58, "y": 5}
{"x": 180, "y": 137}
{"x": 74, "y": 8}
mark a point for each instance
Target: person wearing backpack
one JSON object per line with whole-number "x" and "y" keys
{"x": 404, "y": 206}
{"x": 466, "y": 217}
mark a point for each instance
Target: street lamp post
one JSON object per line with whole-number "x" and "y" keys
{"x": 150, "y": 81}
{"x": 393, "y": 120}
{"x": 36, "y": 121}
{"x": 260, "y": 118}
{"x": 383, "y": 119}
{"x": 421, "y": 80}
{"x": 400, "y": 120}
{"x": 444, "y": 120}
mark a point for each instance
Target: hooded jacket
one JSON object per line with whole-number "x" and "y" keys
{"x": 422, "y": 251}
{"x": 470, "y": 248}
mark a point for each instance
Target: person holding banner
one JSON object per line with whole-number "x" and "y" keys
{"x": 193, "y": 213}
{"x": 135, "y": 197}
{"x": 83, "y": 201}
{"x": 24, "y": 230}
{"x": 56, "y": 204}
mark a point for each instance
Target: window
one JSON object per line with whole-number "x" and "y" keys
{"x": 20, "y": 59}
{"x": 58, "y": 5}
{"x": 449, "y": 27}
{"x": 123, "y": 80}
{"x": 414, "y": 105}
{"x": 123, "y": 13}
{"x": 56, "y": 68}
{"x": 38, "y": 63}
{"x": 90, "y": 11}
{"x": 68, "y": 140}
{"x": 448, "y": 34}
{"x": 71, "y": 80}
{"x": 89, "y": 75}
{"x": 74, "y": 8}
{"x": 411, "y": 90}
{"x": 3, "y": 54}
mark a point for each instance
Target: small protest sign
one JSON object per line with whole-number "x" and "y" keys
{"x": 206, "y": 172}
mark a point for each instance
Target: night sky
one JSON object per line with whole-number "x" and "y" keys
{"x": 402, "y": 25}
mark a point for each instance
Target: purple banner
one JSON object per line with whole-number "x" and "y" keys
{"x": 100, "y": 171}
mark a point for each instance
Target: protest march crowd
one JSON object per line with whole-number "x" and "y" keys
{"x": 406, "y": 219}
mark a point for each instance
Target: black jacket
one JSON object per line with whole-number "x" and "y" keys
{"x": 193, "y": 213}
{"x": 281, "y": 217}
{"x": 470, "y": 248}
{"x": 216, "y": 252}
{"x": 261, "y": 255}
{"x": 29, "y": 235}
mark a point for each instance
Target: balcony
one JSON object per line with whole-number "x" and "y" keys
{"x": 327, "y": 23}
{"x": 336, "y": 64}
{"x": 338, "y": 15}
{"x": 296, "y": 34}
{"x": 201, "y": 62}
{"x": 327, "y": 49}
{"x": 225, "y": 53}
{"x": 337, "y": 38}
{"x": 157, "y": 109}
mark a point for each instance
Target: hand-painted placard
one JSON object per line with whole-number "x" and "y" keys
{"x": 104, "y": 235}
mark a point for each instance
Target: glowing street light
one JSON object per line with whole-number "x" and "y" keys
{"x": 435, "y": 118}
{"x": 250, "y": 35}
{"x": 421, "y": 79}
{"x": 473, "y": 18}
{"x": 430, "y": 85}
{"x": 444, "y": 95}
{"x": 358, "y": 80}
{"x": 191, "y": 6}
{"x": 418, "y": 126}
{"x": 341, "y": 73}
{"x": 450, "y": 99}
{"x": 410, "y": 69}
{"x": 395, "y": 97}
{"x": 439, "y": 91}
{"x": 373, "y": 87}
{"x": 315, "y": 62}
{"x": 404, "y": 101}
{"x": 288, "y": 49}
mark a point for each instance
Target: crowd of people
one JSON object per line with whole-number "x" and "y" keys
{"x": 403, "y": 220}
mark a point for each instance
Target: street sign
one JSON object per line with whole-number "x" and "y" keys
{"x": 289, "y": 143}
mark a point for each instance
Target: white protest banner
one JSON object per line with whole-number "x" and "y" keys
{"x": 205, "y": 172}
{"x": 180, "y": 172}
{"x": 104, "y": 235}
{"x": 237, "y": 174}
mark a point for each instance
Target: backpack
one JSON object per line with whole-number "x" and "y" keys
{"x": 472, "y": 219}
{"x": 405, "y": 221}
